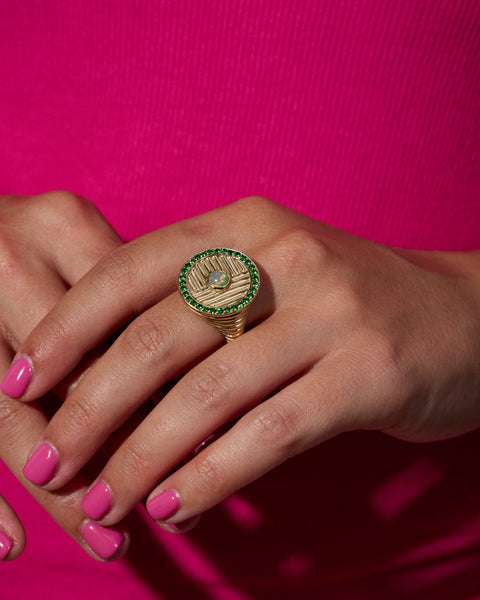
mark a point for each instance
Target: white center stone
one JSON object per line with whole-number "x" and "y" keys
{"x": 218, "y": 280}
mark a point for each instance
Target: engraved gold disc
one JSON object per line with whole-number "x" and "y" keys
{"x": 220, "y": 284}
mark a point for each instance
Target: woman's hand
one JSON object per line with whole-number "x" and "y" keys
{"x": 47, "y": 243}
{"x": 345, "y": 334}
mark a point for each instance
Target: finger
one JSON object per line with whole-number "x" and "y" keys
{"x": 218, "y": 390}
{"x": 123, "y": 284}
{"x": 20, "y": 426}
{"x": 12, "y": 534}
{"x": 309, "y": 411}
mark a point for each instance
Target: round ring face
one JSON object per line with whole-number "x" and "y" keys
{"x": 219, "y": 281}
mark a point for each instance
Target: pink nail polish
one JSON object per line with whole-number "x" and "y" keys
{"x": 17, "y": 379}
{"x": 5, "y": 545}
{"x": 104, "y": 542}
{"x": 97, "y": 501}
{"x": 41, "y": 466}
{"x": 164, "y": 506}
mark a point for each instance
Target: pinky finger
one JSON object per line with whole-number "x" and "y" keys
{"x": 308, "y": 411}
{"x": 12, "y": 534}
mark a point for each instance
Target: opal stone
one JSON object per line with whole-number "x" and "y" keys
{"x": 218, "y": 280}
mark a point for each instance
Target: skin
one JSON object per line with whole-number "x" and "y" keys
{"x": 47, "y": 243}
{"x": 345, "y": 334}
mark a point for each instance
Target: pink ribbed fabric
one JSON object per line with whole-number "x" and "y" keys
{"x": 362, "y": 113}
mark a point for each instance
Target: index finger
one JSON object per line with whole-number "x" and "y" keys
{"x": 127, "y": 281}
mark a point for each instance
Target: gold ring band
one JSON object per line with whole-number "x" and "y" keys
{"x": 220, "y": 284}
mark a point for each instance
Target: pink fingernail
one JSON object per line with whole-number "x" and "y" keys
{"x": 5, "y": 545}
{"x": 97, "y": 502}
{"x": 17, "y": 379}
{"x": 164, "y": 505}
{"x": 104, "y": 542}
{"x": 41, "y": 466}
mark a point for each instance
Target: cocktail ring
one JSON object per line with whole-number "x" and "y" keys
{"x": 220, "y": 284}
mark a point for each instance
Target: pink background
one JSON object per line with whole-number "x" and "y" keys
{"x": 364, "y": 114}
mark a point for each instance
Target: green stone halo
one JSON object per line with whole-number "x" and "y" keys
{"x": 219, "y": 281}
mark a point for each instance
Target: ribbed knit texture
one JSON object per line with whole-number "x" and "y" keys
{"x": 362, "y": 113}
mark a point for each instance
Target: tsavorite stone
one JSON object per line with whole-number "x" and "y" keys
{"x": 218, "y": 280}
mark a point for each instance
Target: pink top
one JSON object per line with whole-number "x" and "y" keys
{"x": 364, "y": 114}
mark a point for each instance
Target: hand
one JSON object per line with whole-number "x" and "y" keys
{"x": 345, "y": 334}
{"x": 47, "y": 243}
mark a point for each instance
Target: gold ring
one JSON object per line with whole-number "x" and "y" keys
{"x": 220, "y": 284}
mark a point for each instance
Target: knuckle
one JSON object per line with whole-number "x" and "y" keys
{"x": 55, "y": 332}
{"x": 117, "y": 269}
{"x": 205, "y": 474}
{"x": 255, "y": 204}
{"x": 298, "y": 248}
{"x": 64, "y": 202}
{"x": 278, "y": 426}
{"x": 62, "y": 210}
{"x": 252, "y": 209}
{"x": 135, "y": 462}
{"x": 211, "y": 386}
{"x": 148, "y": 340}
{"x": 81, "y": 417}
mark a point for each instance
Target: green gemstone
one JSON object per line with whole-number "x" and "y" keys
{"x": 226, "y": 310}
{"x": 240, "y": 305}
{"x": 212, "y": 311}
{"x": 209, "y": 252}
{"x": 219, "y": 311}
{"x": 248, "y": 262}
{"x": 217, "y": 251}
{"x": 231, "y": 252}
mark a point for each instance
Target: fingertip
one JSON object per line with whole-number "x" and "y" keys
{"x": 18, "y": 378}
{"x": 104, "y": 544}
{"x": 6, "y": 545}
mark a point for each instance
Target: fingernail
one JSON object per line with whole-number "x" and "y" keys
{"x": 41, "y": 466}
{"x": 18, "y": 377}
{"x": 104, "y": 542}
{"x": 183, "y": 526}
{"x": 97, "y": 501}
{"x": 164, "y": 505}
{"x": 5, "y": 545}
